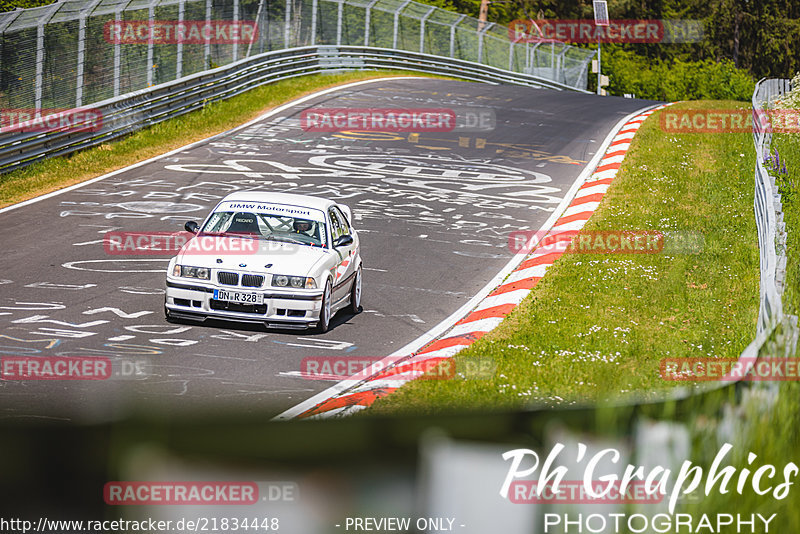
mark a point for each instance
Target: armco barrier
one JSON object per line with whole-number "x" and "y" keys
{"x": 769, "y": 209}
{"x": 130, "y": 112}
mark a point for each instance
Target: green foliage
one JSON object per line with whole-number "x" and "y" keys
{"x": 675, "y": 80}
{"x": 11, "y": 5}
{"x": 792, "y": 100}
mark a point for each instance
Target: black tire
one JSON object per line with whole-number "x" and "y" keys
{"x": 355, "y": 294}
{"x": 325, "y": 310}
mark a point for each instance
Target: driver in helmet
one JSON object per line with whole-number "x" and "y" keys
{"x": 303, "y": 226}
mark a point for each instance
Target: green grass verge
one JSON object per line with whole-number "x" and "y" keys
{"x": 596, "y": 327}
{"x": 788, "y": 146}
{"x": 56, "y": 173}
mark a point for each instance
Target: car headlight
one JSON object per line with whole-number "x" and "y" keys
{"x": 299, "y": 282}
{"x": 203, "y": 273}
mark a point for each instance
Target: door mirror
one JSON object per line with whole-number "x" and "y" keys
{"x": 343, "y": 241}
{"x": 191, "y": 227}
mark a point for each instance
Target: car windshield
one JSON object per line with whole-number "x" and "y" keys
{"x": 268, "y": 226}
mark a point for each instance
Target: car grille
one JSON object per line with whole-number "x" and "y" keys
{"x": 260, "y": 309}
{"x": 229, "y": 279}
{"x": 252, "y": 280}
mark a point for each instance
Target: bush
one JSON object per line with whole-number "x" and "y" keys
{"x": 675, "y": 80}
{"x": 792, "y": 99}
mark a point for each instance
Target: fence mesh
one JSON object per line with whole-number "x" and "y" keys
{"x": 79, "y": 52}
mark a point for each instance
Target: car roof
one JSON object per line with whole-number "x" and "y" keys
{"x": 305, "y": 201}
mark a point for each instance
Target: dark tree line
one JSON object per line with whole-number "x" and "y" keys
{"x": 761, "y": 36}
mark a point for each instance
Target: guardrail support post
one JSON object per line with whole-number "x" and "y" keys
{"x": 422, "y": 29}
{"x": 39, "y": 68}
{"x": 40, "y": 24}
{"x": 82, "y": 53}
{"x": 235, "y": 23}
{"x": 527, "y": 56}
{"x": 79, "y": 66}
{"x": 453, "y": 35}
{"x": 397, "y": 22}
{"x": 367, "y": 15}
{"x": 179, "y": 51}
{"x": 314, "y": 7}
{"x": 257, "y": 29}
{"x": 8, "y": 18}
{"x": 534, "y": 57}
{"x": 117, "y": 20}
{"x": 481, "y": 33}
{"x": 287, "y": 24}
{"x": 151, "y": 15}
{"x": 118, "y": 48}
{"x": 559, "y": 74}
{"x": 207, "y": 47}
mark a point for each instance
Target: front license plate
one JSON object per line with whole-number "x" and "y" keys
{"x": 239, "y": 296}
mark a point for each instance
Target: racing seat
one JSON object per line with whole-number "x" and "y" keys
{"x": 244, "y": 223}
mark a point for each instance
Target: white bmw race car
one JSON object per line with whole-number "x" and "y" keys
{"x": 289, "y": 261}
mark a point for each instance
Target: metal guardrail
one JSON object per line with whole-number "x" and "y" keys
{"x": 769, "y": 209}
{"x": 125, "y": 114}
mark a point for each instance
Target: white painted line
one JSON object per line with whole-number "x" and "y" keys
{"x": 512, "y": 297}
{"x": 592, "y": 190}
{"x": 573, "y": 226}
{"x": 612, "y": 159}
{"x": 207, "y": 139}
{"x": 581, "y": 208}
{"x": 481, "y": 325}
{"x": 448, "y": 352}
{"x": 537, "y": 271}
{"x": 625, "y": 136}
{"x": 602, "y": 175}
{"x": 625, "y": 145}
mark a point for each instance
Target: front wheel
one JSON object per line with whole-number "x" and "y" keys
{"x": 325, "y": 310}
{"x": 355, "y": 294}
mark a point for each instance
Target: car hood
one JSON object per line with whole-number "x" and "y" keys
{"x": 271, "y": 257}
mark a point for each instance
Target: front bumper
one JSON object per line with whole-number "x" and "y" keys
{"x": 193, "y": 299}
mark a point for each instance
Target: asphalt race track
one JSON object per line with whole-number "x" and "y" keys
{"x": 434, "y": 211}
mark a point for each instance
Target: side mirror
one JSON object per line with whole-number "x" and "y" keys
{"x": 343, "y": 241}
{"x": 191, "y": 227}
